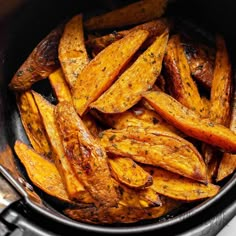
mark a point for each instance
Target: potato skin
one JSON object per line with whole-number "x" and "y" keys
{"x": 201, "y": 62}
{"x": 87, "y": 158}
{"x": 121, "y": 214}
{"x": 180, "y": 83}
{"x": 41, "y": 62}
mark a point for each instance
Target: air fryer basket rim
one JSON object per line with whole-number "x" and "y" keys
{"x": 126, "y": 228}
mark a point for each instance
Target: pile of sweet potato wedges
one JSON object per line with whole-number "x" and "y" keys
{"x": 144, "y": 118}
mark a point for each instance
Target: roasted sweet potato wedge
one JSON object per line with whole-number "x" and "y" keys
{"x": 33, "y": 124}
{"x": 136, "y": 116}
{"x": 121, "y": 214}
{"x": 180, "y": 83}
{"x": 87, "y": 157}
{"x": 106, "y": 67}
{"x": 220, "y": 94}
{"x": 42, "y": 61}
{"x": 154, "y": 27}
{"x": 159, "y": 149}
{"x": 228, "y": 162}
{"x": 74, "y": 188}
{"x": 41, "y": 172}
{"x": 128, "y": 172}
{"x": 59, "y": 86}
{"x": 180, "y": 188}
{"x": 221, "y": 90}
{"x": 72, "y": 51}
{"x": 201, "y": 62}
{"x": 190, "y": 122}
{"x": 139, "y": 77}
{"x": 135, "y": 13}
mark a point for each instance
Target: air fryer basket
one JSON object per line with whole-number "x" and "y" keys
{"x": 21, "y": 31}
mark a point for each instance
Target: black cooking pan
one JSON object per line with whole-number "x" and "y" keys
{"x": 21, "y": 29}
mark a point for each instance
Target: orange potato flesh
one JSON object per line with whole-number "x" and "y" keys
{"x": 74, "y": 188}
{"x": 190, "y": 123}
{"x": 126, "y": 171}
{"x": 131, "y": 14}
{"x": 87, "y": 157}
{"x": 228, "y": 162}
{"x": 178, "y": 187}
{"x": 121, "y": 214}
{"x": 62, "y": 93}
{"x": 221, "y": 85}
{"x": 136, "y": 116}
{"x": 32, "y": 123}
{"x": 106, "y": 67}
{"x": 41, "y": 62}
{"x": 160, "y": 149}
{"x": 41, "y": 172}
{"x": 182, "y": 86}
{"x": 139, "y": 77}
{"x": 59, "y": 86}
{"x": 72, "y": 51}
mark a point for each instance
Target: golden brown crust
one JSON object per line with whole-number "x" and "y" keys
{"x": 159, "y": 149}
{"x": 42, "y": 61}
{"x": 191, "y": 123}
{"x": 87, "y": 157}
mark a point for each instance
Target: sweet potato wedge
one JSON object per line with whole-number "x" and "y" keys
{"x": 106, "y": 67}
{"x": 121, "y": 214}
{"x": 180, "y": 83}
{"x": 41, "y": 172}
{"x": 159, "y": 149}
{"x": 154, "y": 27}
{"x": 221, "y": 90}
{"x": 135, "y": 13}
{"x": 87, "y": 157}
{"x": 228, "y": 163}
{"x": 139, "y": 77}
{"x": 220, "y": 94}
{"x": 180, "y": 188}
{"x": 72, "y": 51}
{"x": 201, "y": 62}
{"x": 190, "y": 122}
{"x": 59, "y": 86}
{"x": 42, "y": 61}
{"x": 128, "y": 172}
{"x": 136, "y": 116}
{"x": 74, "y": 188}
{"x": 32, "y": 123}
